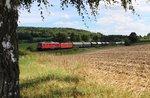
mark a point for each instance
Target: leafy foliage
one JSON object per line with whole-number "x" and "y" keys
{"x": 96, "y": 37}
{"x": 81, "y": 6}
{"x": 32, "y": 34}
{"x": 133, "y": 37}
{"x": 53, "y": 34}
{"x": 61, "y": 37}
{"x": 113, "y": 38}
{"x": 75, "y": 37}
{"x": 85, "y": 38}
{"x": 127, "y": 42}
{"x": 38, "y": 31}
{"x": 24, "y": 36}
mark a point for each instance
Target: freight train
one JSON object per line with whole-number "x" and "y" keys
{"x": 68, "y": 45}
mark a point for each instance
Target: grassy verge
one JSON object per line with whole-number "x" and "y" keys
{"x": 28, "y": 46}
{"x": 143, "y": 42}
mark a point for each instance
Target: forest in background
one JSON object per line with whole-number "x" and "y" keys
{"x": 39, "y": 34}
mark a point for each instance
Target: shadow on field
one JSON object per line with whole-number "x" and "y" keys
{"x": 50, "y": 77}
{"x": 69, "y": 92}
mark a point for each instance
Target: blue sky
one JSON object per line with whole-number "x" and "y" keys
{"x": 111, "y": 20}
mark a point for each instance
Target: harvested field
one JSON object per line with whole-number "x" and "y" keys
{"x": 125, "y": 68}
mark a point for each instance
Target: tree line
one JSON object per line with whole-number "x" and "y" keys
{"x": 146, "y": 37}
{"x": 39, "y": 34}
{"x": 32, "y": 34}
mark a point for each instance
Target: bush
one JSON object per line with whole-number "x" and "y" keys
{"x": 75, "y": 48}
{"x": 127, "y": 42}
{"x": 23, "y": 52}
{"x": 30, "y": 48}
{"x": 24, "y": 36}
{"x": 133, "y": 37}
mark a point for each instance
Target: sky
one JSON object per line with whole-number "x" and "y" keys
{"x": 112, "y": 20}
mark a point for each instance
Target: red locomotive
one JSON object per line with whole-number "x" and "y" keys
{"x": 66, "y": 45}
{"x": 53, "y": 45}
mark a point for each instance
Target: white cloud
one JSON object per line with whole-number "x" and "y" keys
{"x": 118, "y": 18}
{"x": 49, "y": 16}
{"x": 104, "y": 21}
{"x": 143, "y": 8}
{"x": 35, "y": 17}
{"x": 138, "y": 27}
{"x": 68, "y": 24}
{"x": 60, "y": 15}
{"x": 29, "y": 20}
{"x": 116, "y": 21}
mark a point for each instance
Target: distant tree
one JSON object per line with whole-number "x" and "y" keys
{"x": 85, "y": 37}
{"x": 113, "y": 38}
{"x": 24, "y": 36}
{"x": 75, "y": 37}
{"x": 95, "y": 37}
{"x": 133, "y": 37}
{"x": 53, "y": 37}
{"x": 35, "y": 34}
{"x": 147, "y": 37}
{"x": 78, "y": 38}
{"x": 61, "y": 37}
{"x": 72, "y": 37}
{"x": 127, "y": 42}
{"x": 44, "y": 34}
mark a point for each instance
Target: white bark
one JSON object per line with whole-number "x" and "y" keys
{"x": 7, "y": 4}
{"x": 1, "y": 24}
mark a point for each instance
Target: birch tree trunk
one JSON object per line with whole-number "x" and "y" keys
{"x": 9, "y": 70}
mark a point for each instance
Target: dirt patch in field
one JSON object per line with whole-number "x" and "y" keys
{"x": 126, "y": 68}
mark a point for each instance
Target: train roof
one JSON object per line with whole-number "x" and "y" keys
{"x": 48, "y": 42}
{"x": 94, "y": 42}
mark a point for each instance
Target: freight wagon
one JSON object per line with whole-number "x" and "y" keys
{"x": 56, "y": 45}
